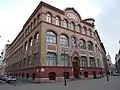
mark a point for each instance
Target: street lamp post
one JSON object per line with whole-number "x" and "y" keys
{"x": 65, "y": 82}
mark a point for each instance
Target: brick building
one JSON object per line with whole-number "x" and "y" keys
{"x": 54, "y": 43}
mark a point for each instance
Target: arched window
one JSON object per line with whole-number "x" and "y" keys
{"x": 89, "y": 32}
{"x": 86, "y": 74}
{"x": 63, "y": 40}
{"x": 98, "y": 61}
{"x": 34, "y": 22}
{"x": 64, "y": 60}
{"x": 26, "y": 32}
{"x": 79, "y": 28}
{"x": 38, "y": 18}
{"x": 83, "y": 61}
{"x": 84, "y": 30}
{"x": 51, "y": 59}
{"x": 72, "y": 26}
{"x": 50, "y": 37}
{"x": 26, "y": 46}
{"x": 29, "y": 60}
{"x": 27, "y": 75}
{"x": 49, "y": 18}
{"x": 30, "y": 42}
{"x": 57, "y": 21}
{"x": 74, "y": 42}
{"x": 33, "y": 76}
{"x": 28, "y": 29}
{"x": 52, "y": 76}
{"x": 31, "y": 25}
{"x": 36, "y": 39}
{"x": 66, "y": 74}
{"x": 82, "y": 44}
{"x": 65, "y": 23}
{"x": 92, "y": 62}
{"x": 90, "y": 45}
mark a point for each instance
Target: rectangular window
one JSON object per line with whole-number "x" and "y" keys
{"x": 51, "y": 59}
{"x": 92, "y": 62}
{"x": 64, "y": 60}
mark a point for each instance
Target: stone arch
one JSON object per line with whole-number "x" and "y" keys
{"x": 51, "y": 30}
{"x": 75, "y": 54}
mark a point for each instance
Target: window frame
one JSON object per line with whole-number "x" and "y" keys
{"x": 82, "y": 44}
{"x": 65, "y": 23}
{"x": 36, "y": 39}
{"x": 74, "y": 42}
{"x": 51, "y": 37}
{"x": 64, "y": 60}
{"x": 49, "y": 18}
{"x": 92, "y": 62}
{"x": 51, "y": 60}
{"x": 84, "y": 62}
{"x": 64, "y": 41}
{"x": 57, "y": 21}
{"x": 90, "y": 46}
{"x": 72, "y": 26}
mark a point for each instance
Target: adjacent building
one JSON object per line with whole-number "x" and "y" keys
{"x": 54, "y": 43}
{"x": 117, "y": 63}
{"x": 111, "y": 66}
{"x": 1, "y": 59}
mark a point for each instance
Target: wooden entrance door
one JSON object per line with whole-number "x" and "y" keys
{"x": 76, "y": 69}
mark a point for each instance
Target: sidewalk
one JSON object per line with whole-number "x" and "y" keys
{"x": 53, "y": 81}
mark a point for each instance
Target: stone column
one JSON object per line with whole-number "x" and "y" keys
{"x": 58, "y": 50}
{"x": 70, "y": 50}
{"x": 43, "y": 46}
{"x": 87, "y": 55}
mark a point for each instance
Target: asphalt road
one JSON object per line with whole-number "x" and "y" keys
{"x": 98, "y": 84}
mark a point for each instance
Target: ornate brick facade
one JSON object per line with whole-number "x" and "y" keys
{"x": 28, "y": 54}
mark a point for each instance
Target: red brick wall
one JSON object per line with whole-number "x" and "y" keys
{"x": 58, "y": 70}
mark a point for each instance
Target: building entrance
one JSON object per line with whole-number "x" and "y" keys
{"x": 75, "y": 64}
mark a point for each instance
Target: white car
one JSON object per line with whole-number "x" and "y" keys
{"x": 10, "y": 78}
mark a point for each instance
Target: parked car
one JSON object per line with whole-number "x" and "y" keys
{"x": 115, "y": 74}
{"x": 10, "y": 78}
{"x": 3, "y": 77}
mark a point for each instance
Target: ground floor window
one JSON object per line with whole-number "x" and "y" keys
{"x": 66, "y": 75}
{"x": 52, "y": 76}
{"x": 19, "y": 74}
{"x": 86, "y": 74}
{"x": 94, "y": 75}
{"x": 33, "y": 76}
{"x": 27, "y": 75}
{"x": 16, "y": 74}
{"x": 101, "y": 73}
{"x": 22, "y": 75}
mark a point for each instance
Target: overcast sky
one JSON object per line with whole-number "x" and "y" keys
{"x": 14, "y": 13}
